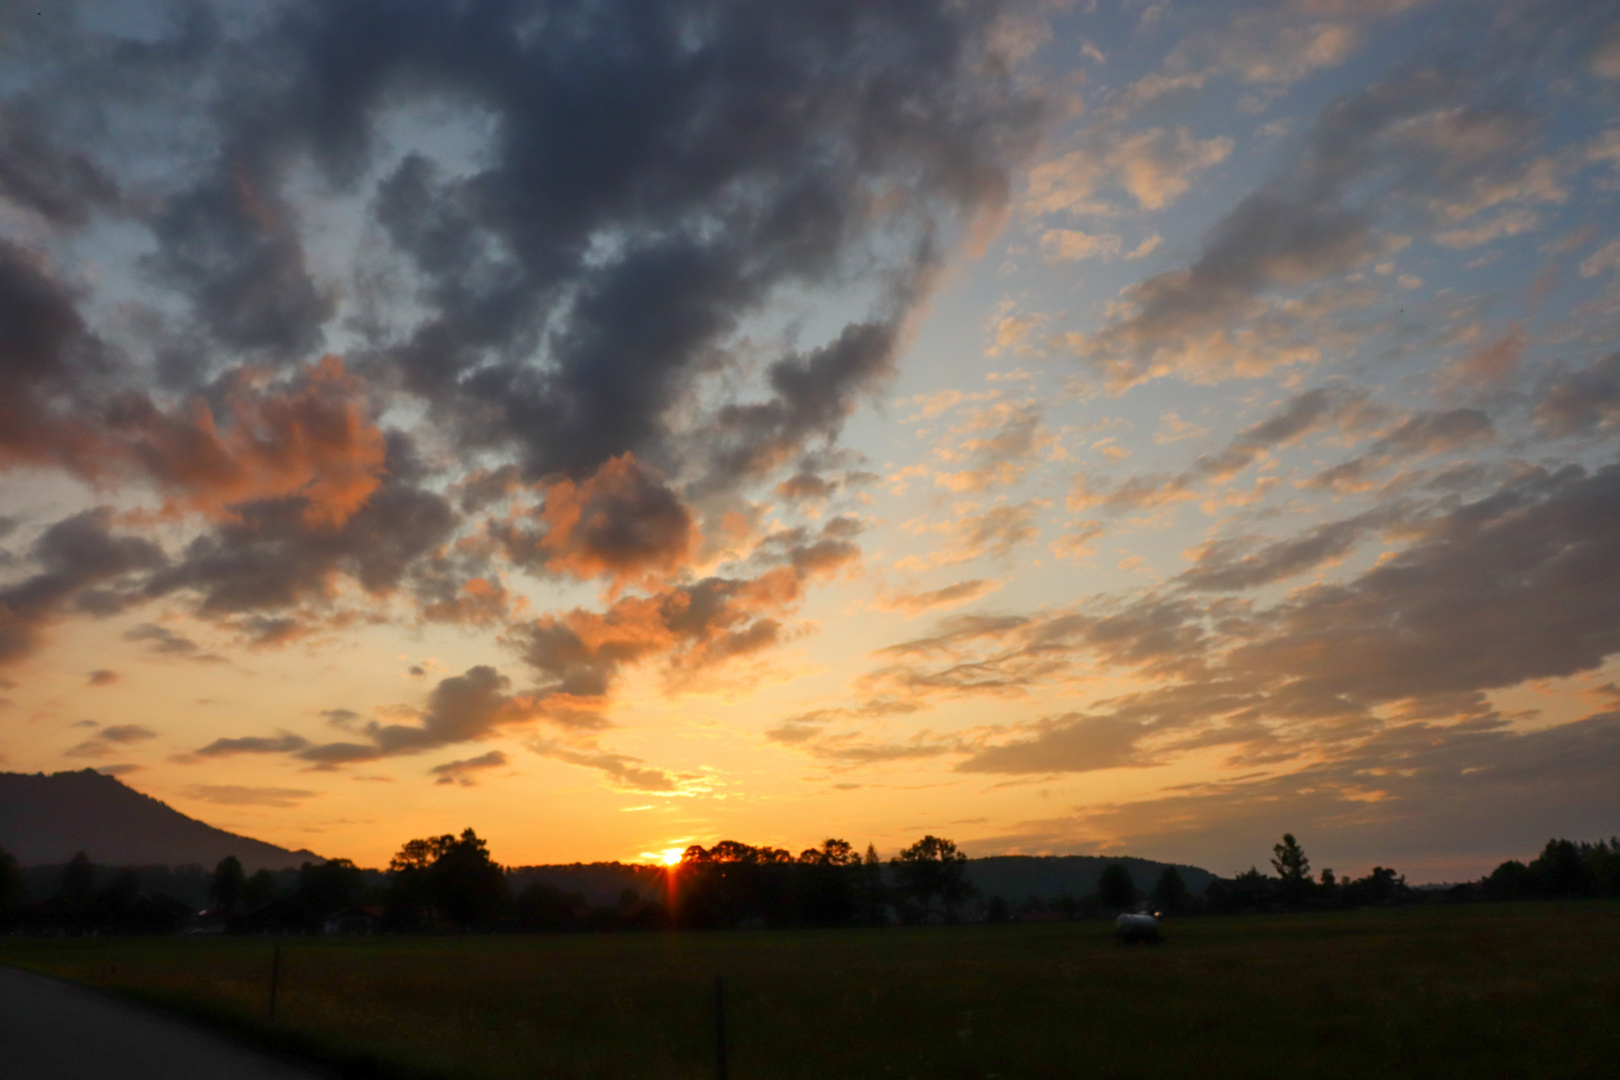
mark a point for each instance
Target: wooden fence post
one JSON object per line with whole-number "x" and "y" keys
{"x": 720, "y": 1070}
{"x": 275, "y": 981}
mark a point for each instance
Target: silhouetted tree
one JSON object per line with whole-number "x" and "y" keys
{"x": 933, "y": 867}
{"x": 831, "y": 853}
{"x": 412, "y": 902}
{"x": 78, "y": 880}
{"x": 1293, "y": 868}
{"x": 1510, "y": 881}
{"x": 1560, "y": 871}
{"x": 733, "y": 883}
{"x": 225, "y": 891}
{"x": 545, "y": 907}
{"x": 452, "y": 878}
{"x": 421, "y": 854}
{"x": 1170, "y": 893}
{"x": 1604, "y": 861}
{"x": 874, "y": 897}
{"x": 110, "y": 904}
{"x": 329, "y": 886}
{"x": 1382, "y": 886}
{"x": 121, "y": 891}
{"x": 12, "y": 889}
{"x": 1115, "y": 889}
{"x": 1563, "y": 869}
{"x": 827, "y": 884}
{"x": 259, "y": 889}
{"x": 996, "y": 910}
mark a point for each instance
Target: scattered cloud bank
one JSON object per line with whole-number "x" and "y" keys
{"x": 565, "y": 293}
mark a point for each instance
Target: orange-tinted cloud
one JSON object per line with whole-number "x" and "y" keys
{"x": 311, "y": 437}
{"x": 578, "y": 655}
{"x": 623, "y": 522}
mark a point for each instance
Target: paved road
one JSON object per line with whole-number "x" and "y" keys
{"x": 51, "y": 1030}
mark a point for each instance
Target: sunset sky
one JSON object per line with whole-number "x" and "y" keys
{"x": 1133, "y": 427}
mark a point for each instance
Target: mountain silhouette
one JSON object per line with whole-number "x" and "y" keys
{"x": 46, "y": 819}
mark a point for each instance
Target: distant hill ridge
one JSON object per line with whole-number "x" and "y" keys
{"x": 1047, "y": 877}
{"x": 47, "y": 819}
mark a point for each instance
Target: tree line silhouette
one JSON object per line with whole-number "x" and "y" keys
{"x": 452, "y": 884}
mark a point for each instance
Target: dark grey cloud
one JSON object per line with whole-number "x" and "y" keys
{"x": 466, "y": 772}
{"x": 285, "y": 743}
{"x": 63, "y": 184}
{"x": 1518, "y": 585}
{"x": 461, "y": 708}
{"x": 45, "y": 344}
{"x": 110, "y": 740}
{"x": 643, "y": 180}
{"x": 126, "y": 733}
{"x": 74, "y": 555}
{"x": 1583, "y": 401}
{"x": 653, "y": 174}
{"x": 162, "y": 639}
{"x": 623, "y": 521}
{"x": 1522, "y": 584}
{"x": 275, "y": 557}
{"x": 1236, "y": 564}
{"x": 813, "y": 551}
{"x": 488, "y": 486}
{"x": 1419, "y": 435}
{"x": 807, "y": 487}
{"x": 231, "y": 246}
{"x": 692, "y": 630}
{"x": 574, "y": 302}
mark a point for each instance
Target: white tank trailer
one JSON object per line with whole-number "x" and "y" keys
{"x": 1133, "y": 927}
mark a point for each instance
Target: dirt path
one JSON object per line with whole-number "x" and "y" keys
{"x": 52, "y": 1030}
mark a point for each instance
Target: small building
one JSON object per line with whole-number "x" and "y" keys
{"x": 358, "y": 919}
{"x": 151, "y": 914}
{"x": 54, "y": 917}
{"x": 277, "y": 916}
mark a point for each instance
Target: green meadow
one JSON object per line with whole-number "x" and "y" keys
{"x": 1509, "y": 990}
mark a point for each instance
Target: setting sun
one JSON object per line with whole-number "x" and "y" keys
{"x": 672, "y": 856}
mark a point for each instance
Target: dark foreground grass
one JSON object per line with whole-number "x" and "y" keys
{"x": 1520, "y": 990}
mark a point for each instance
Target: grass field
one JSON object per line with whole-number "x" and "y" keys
{"x": 1522, "y": 990}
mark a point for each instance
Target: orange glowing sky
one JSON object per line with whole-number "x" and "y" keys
{"x": 1116, "y": 427}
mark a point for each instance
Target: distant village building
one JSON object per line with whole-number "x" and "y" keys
{"x": 277, "y": 916}
{"x": 359, "y": 919}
